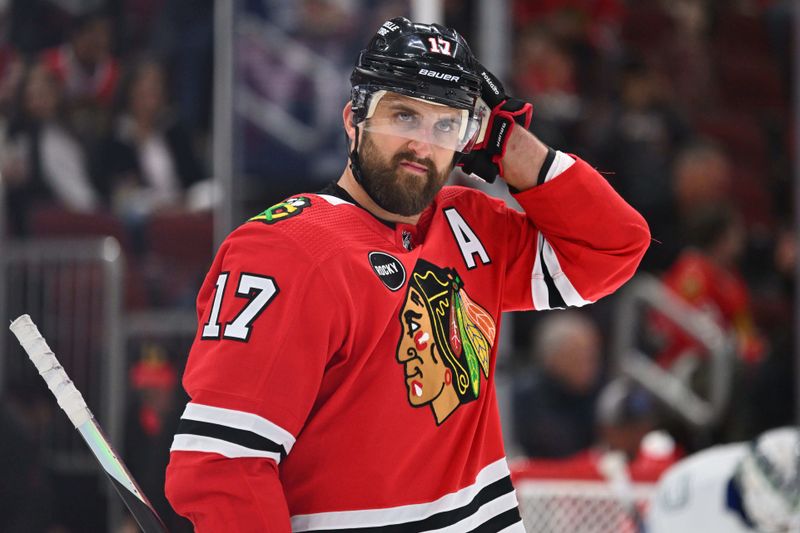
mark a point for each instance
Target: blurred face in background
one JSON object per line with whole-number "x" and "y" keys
{"x": 575, "y": 362}
{"x": 147, "y": 98}
{"x": 41, "y": 94}
{"x": 702, "y": 176}
{"x": 92, "y": 43}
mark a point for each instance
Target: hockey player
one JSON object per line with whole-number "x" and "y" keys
{"x": 743, "y": 487}
{"x": 342, "y": 373}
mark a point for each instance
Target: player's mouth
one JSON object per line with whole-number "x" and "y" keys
{"x": 415, "y": 168}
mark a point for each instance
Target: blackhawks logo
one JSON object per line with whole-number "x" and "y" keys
{"x": 445, "y": 341}
{"x": 286, "y": 209}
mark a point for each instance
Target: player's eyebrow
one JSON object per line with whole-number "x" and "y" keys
{"x": 400, "y": 106}
{"x": 399, "y": 103}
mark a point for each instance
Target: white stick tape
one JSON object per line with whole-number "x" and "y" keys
{"x": 67, "y": 396}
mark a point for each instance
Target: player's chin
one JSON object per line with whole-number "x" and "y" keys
{"x": 411, "y": 178}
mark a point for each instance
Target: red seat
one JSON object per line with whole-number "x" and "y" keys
{"x": 180, "y": 250}
{"x": 182, "y": 237}
{"x": 57, "y": 222}
{"x": 54, "y": 221}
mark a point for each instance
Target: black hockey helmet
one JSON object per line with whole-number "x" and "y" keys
{"x": 425, "y": 61}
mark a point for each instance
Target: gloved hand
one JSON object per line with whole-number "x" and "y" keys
{"x": 485, "y": 159}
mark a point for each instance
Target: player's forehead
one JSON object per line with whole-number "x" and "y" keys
{"x": 395, "y": 101}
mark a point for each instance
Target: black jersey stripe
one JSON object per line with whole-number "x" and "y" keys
{"x": 443, "y": 519}
{"x": 242, "y": 437}
{"x": 499, "y": 522}
{"x": 555, "y": 300}
{"x": 548, "y": 162}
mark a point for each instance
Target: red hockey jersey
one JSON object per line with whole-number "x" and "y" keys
{"x": 342, "y": 373}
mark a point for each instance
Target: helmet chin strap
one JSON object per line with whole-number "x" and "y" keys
{"x": 355, "y": 165}
{"x": 355, "y": 168}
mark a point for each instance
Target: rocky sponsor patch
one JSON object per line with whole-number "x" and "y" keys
{"x": 389, "y": 269}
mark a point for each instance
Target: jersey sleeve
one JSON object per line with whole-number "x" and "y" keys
{"x": 577, "y": 241}
{"x": 264, "y": 336}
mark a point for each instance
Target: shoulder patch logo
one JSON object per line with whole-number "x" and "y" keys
{"x": 389, "y": 270}
{"x": 289, "y": 208}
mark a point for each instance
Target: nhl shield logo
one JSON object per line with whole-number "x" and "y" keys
{"x": 389, "y": 270}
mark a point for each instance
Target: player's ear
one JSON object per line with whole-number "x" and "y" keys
{"x": 347, "y": 118}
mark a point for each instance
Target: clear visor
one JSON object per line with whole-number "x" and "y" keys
{"x": 423, "y": 121}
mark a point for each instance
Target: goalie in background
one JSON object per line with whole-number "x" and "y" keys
{"x": 735, "y": 488}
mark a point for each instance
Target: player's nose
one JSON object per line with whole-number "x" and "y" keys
{"x": 421, "y": 149}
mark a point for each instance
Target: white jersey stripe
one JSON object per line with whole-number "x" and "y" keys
{"x": 406, "y": 513}
{"x": 333, "y": 200}
{"x": 484, "y": 513}
{"x": 561, "y": 162}
{"x": 541, "y": 298}
{"x": 198, "y": 443}
{"x": 239, "y": 420}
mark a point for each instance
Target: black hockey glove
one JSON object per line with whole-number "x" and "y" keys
{"x": 485, "y": 159}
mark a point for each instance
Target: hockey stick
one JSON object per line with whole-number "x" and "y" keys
{"x": 71, "y": 401}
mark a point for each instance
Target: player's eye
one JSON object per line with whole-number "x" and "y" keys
{"x": 446, "y": 126}
{"x": 406, "y": 119}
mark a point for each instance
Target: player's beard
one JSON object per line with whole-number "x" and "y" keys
{"x": 395, "y": 189}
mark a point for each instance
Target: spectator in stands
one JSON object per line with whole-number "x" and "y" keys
{"x": 87, "y": 72}
{"x": 637, "y": 141}
{"x": 43, "y": 163}
{"x": 628, "y": 420}
{"x": 701, "y": 176}
{"x": 147, "y": 162}
{"x": 553, "y": 400}
{"x": 84, "y": 64}
{"x": 545, "y": 71}
{"x": 625, "y": 414}
{"x": 706, "y": 275}
{"x": 686, "y": 55}
{"x": 590, "y": 27}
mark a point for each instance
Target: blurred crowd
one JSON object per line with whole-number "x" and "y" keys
{"x": 89, "y": 117}
{"x": 683, "y": 104}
